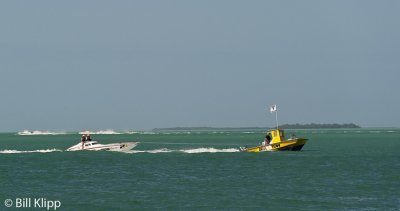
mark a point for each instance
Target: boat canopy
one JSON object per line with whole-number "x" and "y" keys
{"x": 276, "y": 135}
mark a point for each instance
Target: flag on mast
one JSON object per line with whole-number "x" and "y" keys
{"x": 272, "y": 108}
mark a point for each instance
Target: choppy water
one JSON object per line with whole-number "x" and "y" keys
{"x": 337, "y": 170}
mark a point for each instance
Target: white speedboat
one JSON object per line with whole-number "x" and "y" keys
{"x": 93, "y": 145}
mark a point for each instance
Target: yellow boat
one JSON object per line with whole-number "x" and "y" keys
{"x": 275, "y": 141}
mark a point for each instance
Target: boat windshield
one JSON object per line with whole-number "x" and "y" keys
{"x": 91, "y": 143}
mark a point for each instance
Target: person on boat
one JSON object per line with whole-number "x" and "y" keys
{"x": 88, "y": 137}
{"x": 83, "y": 140}
{"x": 267, "y": 139}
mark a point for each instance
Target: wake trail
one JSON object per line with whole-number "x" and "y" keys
{"x": 209, "y": 150}
{"x": 180, "y": 143}
{"x": 189, "y": 151}
{"x": 151, "y": 151}
{"x": 8, "y": 151}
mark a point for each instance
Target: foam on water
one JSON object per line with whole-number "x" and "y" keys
{"x": 147, "y": 133}
{"x": 219, "y": 132}
{"x": 140, "y": 132}
{"x": 190, "y": 151}
{"x": 163, "y": 150}
{"x": 209, "y": 150}
{"x": 375, "y": 131}
{"x": 7, "y": 151}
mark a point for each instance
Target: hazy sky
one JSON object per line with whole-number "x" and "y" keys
{"x": 76, "y": 65}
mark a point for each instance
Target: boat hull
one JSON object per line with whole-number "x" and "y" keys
{"x": 287, "y": 145}
{"x": 126, "y": 146}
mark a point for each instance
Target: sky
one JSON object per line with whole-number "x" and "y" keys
{"x": 137, "y": 65}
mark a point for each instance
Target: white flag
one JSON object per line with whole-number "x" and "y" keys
{"x": 272, "y": 108}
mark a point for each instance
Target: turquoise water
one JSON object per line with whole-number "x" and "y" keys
{"x": 357, "y": 169}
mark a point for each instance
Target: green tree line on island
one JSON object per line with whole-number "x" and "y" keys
{"x": 318, "y": 126}
{"x": 284, "y": 126}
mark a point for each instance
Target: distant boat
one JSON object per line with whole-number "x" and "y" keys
{"x": 37, "y": 132}
{"x": 277, "y": 142}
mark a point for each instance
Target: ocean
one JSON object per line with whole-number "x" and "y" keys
{"x": 338, "y": 169}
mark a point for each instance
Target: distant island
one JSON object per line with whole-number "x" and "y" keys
{"x": 207, "y": 128}
{"x": 318, "y": 126}
{"x": 284, "y": 126}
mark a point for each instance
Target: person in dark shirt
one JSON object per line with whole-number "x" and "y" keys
{"x": 267, "y": 139}
{"x": 88, "y": 137}
{"x": 83, "y": 139}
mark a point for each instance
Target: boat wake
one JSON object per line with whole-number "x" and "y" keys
{"x": 7, "y": 151}
{"x": 163, "y": 150}
{"x": 209, "y": 150}
{"x": 189, "y": 151}
{"x": 153, "y": 151}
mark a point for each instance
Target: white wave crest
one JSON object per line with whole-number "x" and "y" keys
{"x": 101, "y": 132}
{"x": 163, "y": 150}
{"x": 37, "y": 132}
{"x": 7, "y": 151}
{"x": 375, "y": 131}
{"x": 209, "y": 150}
{"x": 147, "y": 133}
